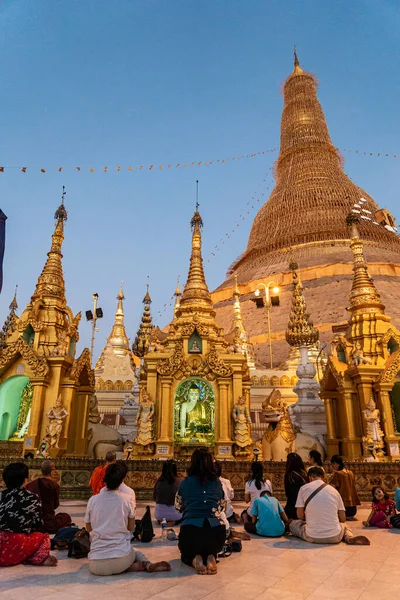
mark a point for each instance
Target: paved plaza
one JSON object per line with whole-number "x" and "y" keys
{"x": 266, "y": 569}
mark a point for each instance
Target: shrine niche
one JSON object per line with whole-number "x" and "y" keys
{"x": 192, "y": 373}
{"x": 194, "y": 413}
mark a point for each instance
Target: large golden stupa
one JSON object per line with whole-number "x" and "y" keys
{"x": 305, "y": 220}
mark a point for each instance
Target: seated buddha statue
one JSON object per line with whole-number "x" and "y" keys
{"x": 193, "y": 410}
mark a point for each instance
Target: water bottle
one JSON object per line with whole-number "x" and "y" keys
{"x": 163, "y": 530}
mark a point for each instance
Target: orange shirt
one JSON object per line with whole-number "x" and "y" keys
{"x": 97, "y": 479}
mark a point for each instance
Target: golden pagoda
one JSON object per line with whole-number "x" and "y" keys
{"x": 40, "y": 376}
{"x": 361, "y": 383}
{"x": 115, "y": 368}
{"x": 304, "y": 217}
{"x": 191, "y": 381}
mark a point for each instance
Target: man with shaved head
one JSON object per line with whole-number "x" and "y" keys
{"x": 48, "y": 491}
{"x": 97, "y": 479}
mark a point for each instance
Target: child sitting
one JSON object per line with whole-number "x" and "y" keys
{"x": 382, "y": 509}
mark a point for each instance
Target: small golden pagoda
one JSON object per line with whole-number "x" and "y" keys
{"x": 194, "y": 388}
{"x": 115, "y": 368}
{"x": 42, "y": 383}
{"x": 360, "y": 383}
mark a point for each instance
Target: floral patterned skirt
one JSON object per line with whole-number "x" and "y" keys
{"x": 17, "y": 548}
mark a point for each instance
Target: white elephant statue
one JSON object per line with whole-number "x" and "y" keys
{"x": 101, "y": 438}
{"x": 281, "y": 437}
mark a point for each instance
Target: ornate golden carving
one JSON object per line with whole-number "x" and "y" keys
{"x": 300, "y": 330}
{"x": 391, "y": 369}
{"x": 39, "y": 366}
{"x": 79, "y": 365}
{"x": 169, "y": 366}
{"x": 216, "y": 364}
{"x": 143, "y": 335}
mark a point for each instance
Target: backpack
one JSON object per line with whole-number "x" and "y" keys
{"x": 144, "y": 528}
{"x": 80, "y": 545}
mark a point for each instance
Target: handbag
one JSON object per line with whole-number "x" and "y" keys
{"x": 144, "y": 528}
{"x": 236, "y": 546}
{"x": 80, "y": 545}
{"x": 63, "y": 538}
{"x": 395, "y": 521}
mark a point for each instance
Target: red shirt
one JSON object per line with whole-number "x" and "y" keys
{"x": 97, "y": 479}
{"x": 388, "y": 507}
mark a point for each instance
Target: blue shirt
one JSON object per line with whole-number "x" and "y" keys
{"x": 198, "y": 501}
{"x": 397, "y": 498}
{"x": 268, "y": 511}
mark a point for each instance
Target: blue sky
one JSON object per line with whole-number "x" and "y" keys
{"x": 94, "y": 83}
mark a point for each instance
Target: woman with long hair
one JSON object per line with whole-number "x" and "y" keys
{"x": 315, "y": 459}
{"x": 343, "y": 480}
{"x": 110, "y": 519}
{"x": 21, "y": 522}
{"x": 295, "y": 478}
{"x": 255, "y": 485}
{"x": 164, "y": 494}
{"x": 200, "y": 499}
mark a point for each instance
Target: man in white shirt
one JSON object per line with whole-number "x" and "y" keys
{"x": 321, "y": 515}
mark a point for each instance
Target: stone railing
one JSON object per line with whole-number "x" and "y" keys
{"x": 73, "y": 474}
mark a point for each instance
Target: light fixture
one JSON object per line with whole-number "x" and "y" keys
{"x": 275, "y": 290}
{"x": 257, "y": 292}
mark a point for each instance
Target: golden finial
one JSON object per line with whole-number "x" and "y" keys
{"x": 8, "y": 326}
{"x": 14, "y": 305}
{"x": 297, "y": 69}
{"x": 118, "y": 338}
{"x": 300, "y": 330}
{"x": 178, "y": 287}
{"x": 363, "y": 294}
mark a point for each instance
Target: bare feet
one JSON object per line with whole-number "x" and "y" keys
{"x": 199, "y": 565}
{"x": 50, "y": 561}
{"x": 211, "y": 565}
{"x": 137, "y": 566}
{"x": 358, "y": 540}
{"x": 158, "y": 566}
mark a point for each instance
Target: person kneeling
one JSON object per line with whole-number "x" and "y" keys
{"x": 268, "y": 517}
{"x": 324, "y": 510}
{"x": 110, "y": 518}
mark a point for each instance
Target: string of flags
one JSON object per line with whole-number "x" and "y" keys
{"x": 188, "y": 164}
{"x": 152, "y": 167}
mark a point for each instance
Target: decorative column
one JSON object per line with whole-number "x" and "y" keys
{"x": 352, "y": 441}
{"x": 391, "y": 439}
{"x": 164, "y": 446}
{"x": 34, "y": 436}
{"x": 223, "y": 445}
{"x": 332, "y": 443}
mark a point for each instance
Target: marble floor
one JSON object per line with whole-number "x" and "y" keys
{"x": 273, "y": 569}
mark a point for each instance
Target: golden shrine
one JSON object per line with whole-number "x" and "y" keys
{"x": 360, "y": 386}
{"x": 45, "y": 390}
{"x": 194, "y": 383}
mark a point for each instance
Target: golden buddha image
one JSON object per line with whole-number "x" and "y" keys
{"x": 194, "y": 411}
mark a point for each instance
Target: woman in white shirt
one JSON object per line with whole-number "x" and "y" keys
{"x": 254, "y": 487}
{"x": 110, "y": 519}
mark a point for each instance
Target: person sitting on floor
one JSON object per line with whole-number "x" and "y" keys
{"x": 255, "y": 485}
{"x": 343, "y": 480}
{"x": 315, "y": 459}
{"x": 123, "y": 488}
{"x": 383, "y": 508}
{"x": 110, "y": 520}
{"x": 323, "y": 507}
{"x": 295, "y": 478}
{"x": 164, "y": 494}
{"x": 229, "y": 494}
{"x": 21, "y": 523}
{"x": 97, "y": 479}
{"x": 268, "y": 517}
{"x": 201, "y": 499}
{"x": 48, "y": 491}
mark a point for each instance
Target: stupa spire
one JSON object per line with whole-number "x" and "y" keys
{"x": 51, "y": 281}
{"x": 143, "y": 336}
{"x": 238, "y": 329}
{"x": 300, "y": 330}
{"x": 118, "y": 338}
{"x": 363, "y": 295}
{"x": 297, "y": 69}
{"x": 196, "y": 290}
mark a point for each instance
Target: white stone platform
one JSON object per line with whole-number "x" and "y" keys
{"x": 284, "y": 569}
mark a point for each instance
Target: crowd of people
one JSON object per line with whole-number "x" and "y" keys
{"x": 317, "y": 510}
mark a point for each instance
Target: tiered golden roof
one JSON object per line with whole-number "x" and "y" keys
{"x": 300, "y": 330}
{"x": 312, "y": 195}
